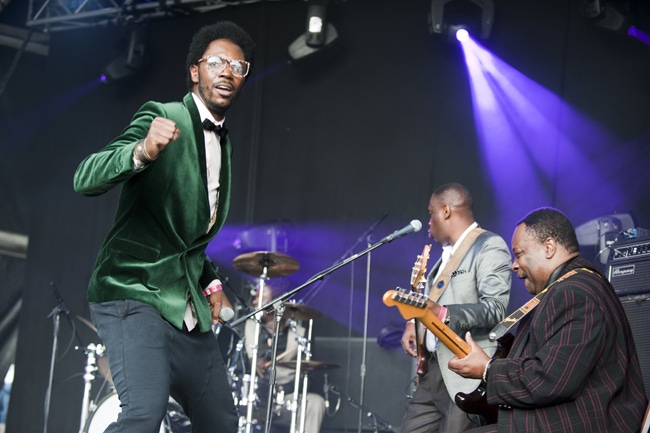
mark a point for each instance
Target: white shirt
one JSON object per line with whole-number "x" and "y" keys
{"x": 213, "y": 167}
{"x": 212, "y": 159}
{"x": 447, "y": 251}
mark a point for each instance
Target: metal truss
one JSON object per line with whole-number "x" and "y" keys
{"x": 61, "y": 15}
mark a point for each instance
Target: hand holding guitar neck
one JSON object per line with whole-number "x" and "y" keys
{"x": 414, "y": 306}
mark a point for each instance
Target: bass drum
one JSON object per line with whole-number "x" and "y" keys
{"x": 109, "y": 408}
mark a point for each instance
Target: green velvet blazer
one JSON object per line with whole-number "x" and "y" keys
{"x": 155, "y": 250}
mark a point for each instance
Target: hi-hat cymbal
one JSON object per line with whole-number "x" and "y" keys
{"x": 103, "y": 368}
{"x": 300, "y": 312}
{"x": 276, "y": 264}
{"x": 308, "y": 365}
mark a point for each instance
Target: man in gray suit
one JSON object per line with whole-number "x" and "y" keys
{"x": 474, "y": 297}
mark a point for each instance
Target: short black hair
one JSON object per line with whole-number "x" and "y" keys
{"x": 456, "y": 194}
{"x": 547, "y": 222}
{"x": 219, "y": 30}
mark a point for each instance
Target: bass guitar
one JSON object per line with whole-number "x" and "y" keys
{"x": 414, "y": 306}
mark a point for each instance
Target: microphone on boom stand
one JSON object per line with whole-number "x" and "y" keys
{"x": 413, "y": 226}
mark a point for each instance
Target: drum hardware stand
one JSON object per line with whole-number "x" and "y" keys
{"x": 326, "y": 389}
{"x": 305, "y": 344}
{"x": 251, "y": 389}
{"x": 377, "y": 422}
{"x": 92, "y": 352}
{"x": 278, "y": 305}
{"x": 279, "y": 311}
{"x": 232, "y": 366}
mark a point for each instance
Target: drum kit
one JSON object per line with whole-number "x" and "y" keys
{"x": 247, "y": 389}
{"x": 250, "y": 391}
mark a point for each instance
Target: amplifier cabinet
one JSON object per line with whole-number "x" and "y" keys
{"x": 629, "y": 267}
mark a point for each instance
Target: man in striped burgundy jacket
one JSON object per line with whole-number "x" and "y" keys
{"x": 573, "y": 365}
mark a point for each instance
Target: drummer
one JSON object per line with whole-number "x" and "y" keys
{"x": 286, "y": 351}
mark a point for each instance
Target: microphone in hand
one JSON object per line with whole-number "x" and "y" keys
{"x": 225, "y": 314}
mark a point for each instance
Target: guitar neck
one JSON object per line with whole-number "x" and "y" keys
{"x": 414, "y": 306}
{"x": 445, "y": 335}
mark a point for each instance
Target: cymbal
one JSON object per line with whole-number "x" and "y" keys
{"x": 276, "y": 264}
{"x": 87, "y": 322}
{"x": 308, "y": 365}
{"x": 300, "y": 312}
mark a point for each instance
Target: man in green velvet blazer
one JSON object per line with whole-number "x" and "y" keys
{"x": 153, "y": 294}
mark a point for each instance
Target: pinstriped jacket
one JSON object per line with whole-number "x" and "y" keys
{"x": 573, "y": 366}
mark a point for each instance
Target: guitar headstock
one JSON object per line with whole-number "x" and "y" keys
{"x": 418, "y": 278}
{"x": 411, "y": 305}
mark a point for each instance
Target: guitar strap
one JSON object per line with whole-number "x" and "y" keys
{"x": 506, "y": 324}
{"x": 445, "y": 276}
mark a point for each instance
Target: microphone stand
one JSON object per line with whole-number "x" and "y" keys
{"x": 277, "y": 305}
{"x": 362, "y": 385}
{"x": 56, "y": 316}
{"x": 361, "y": 238}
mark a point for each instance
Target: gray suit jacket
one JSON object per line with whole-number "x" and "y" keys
{"x": 477, "y": 299}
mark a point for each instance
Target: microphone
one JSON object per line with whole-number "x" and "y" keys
{"x": 225, "y": 314}
{"x": 414, "y": 226}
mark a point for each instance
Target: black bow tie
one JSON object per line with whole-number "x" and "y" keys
{"x": 218, "y": 129}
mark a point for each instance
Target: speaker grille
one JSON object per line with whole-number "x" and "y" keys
{"x": 637, "y": 309}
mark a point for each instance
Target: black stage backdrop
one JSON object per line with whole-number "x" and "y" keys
{"x": 330, "y": 145}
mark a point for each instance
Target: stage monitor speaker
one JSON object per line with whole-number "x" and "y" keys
{"x": 637, "y": 309}
{"x": 387, "y": 380}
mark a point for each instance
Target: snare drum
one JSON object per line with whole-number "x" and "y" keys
{"x": 109, "y": 408}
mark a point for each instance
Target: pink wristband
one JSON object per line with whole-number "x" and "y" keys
{"x": 442, "y": 314}
{"x": 212, "y": 289}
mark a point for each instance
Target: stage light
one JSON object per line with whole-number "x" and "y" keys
{"x": 462, "y": 34}
{"x": 620, "y": 16}
{"x": 319, "y": 33}
{"x": 475, "y": 16}
{"x": 639, "y": 34}
{"x": 130, "y": 57}
{"x": 316, "y": 23}
{"x": 603, "y": 13}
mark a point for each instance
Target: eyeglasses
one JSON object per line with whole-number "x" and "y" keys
{"x": 216, "y": 65}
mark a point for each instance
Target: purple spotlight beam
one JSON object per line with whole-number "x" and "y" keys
{"x": 639, "y": 34}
